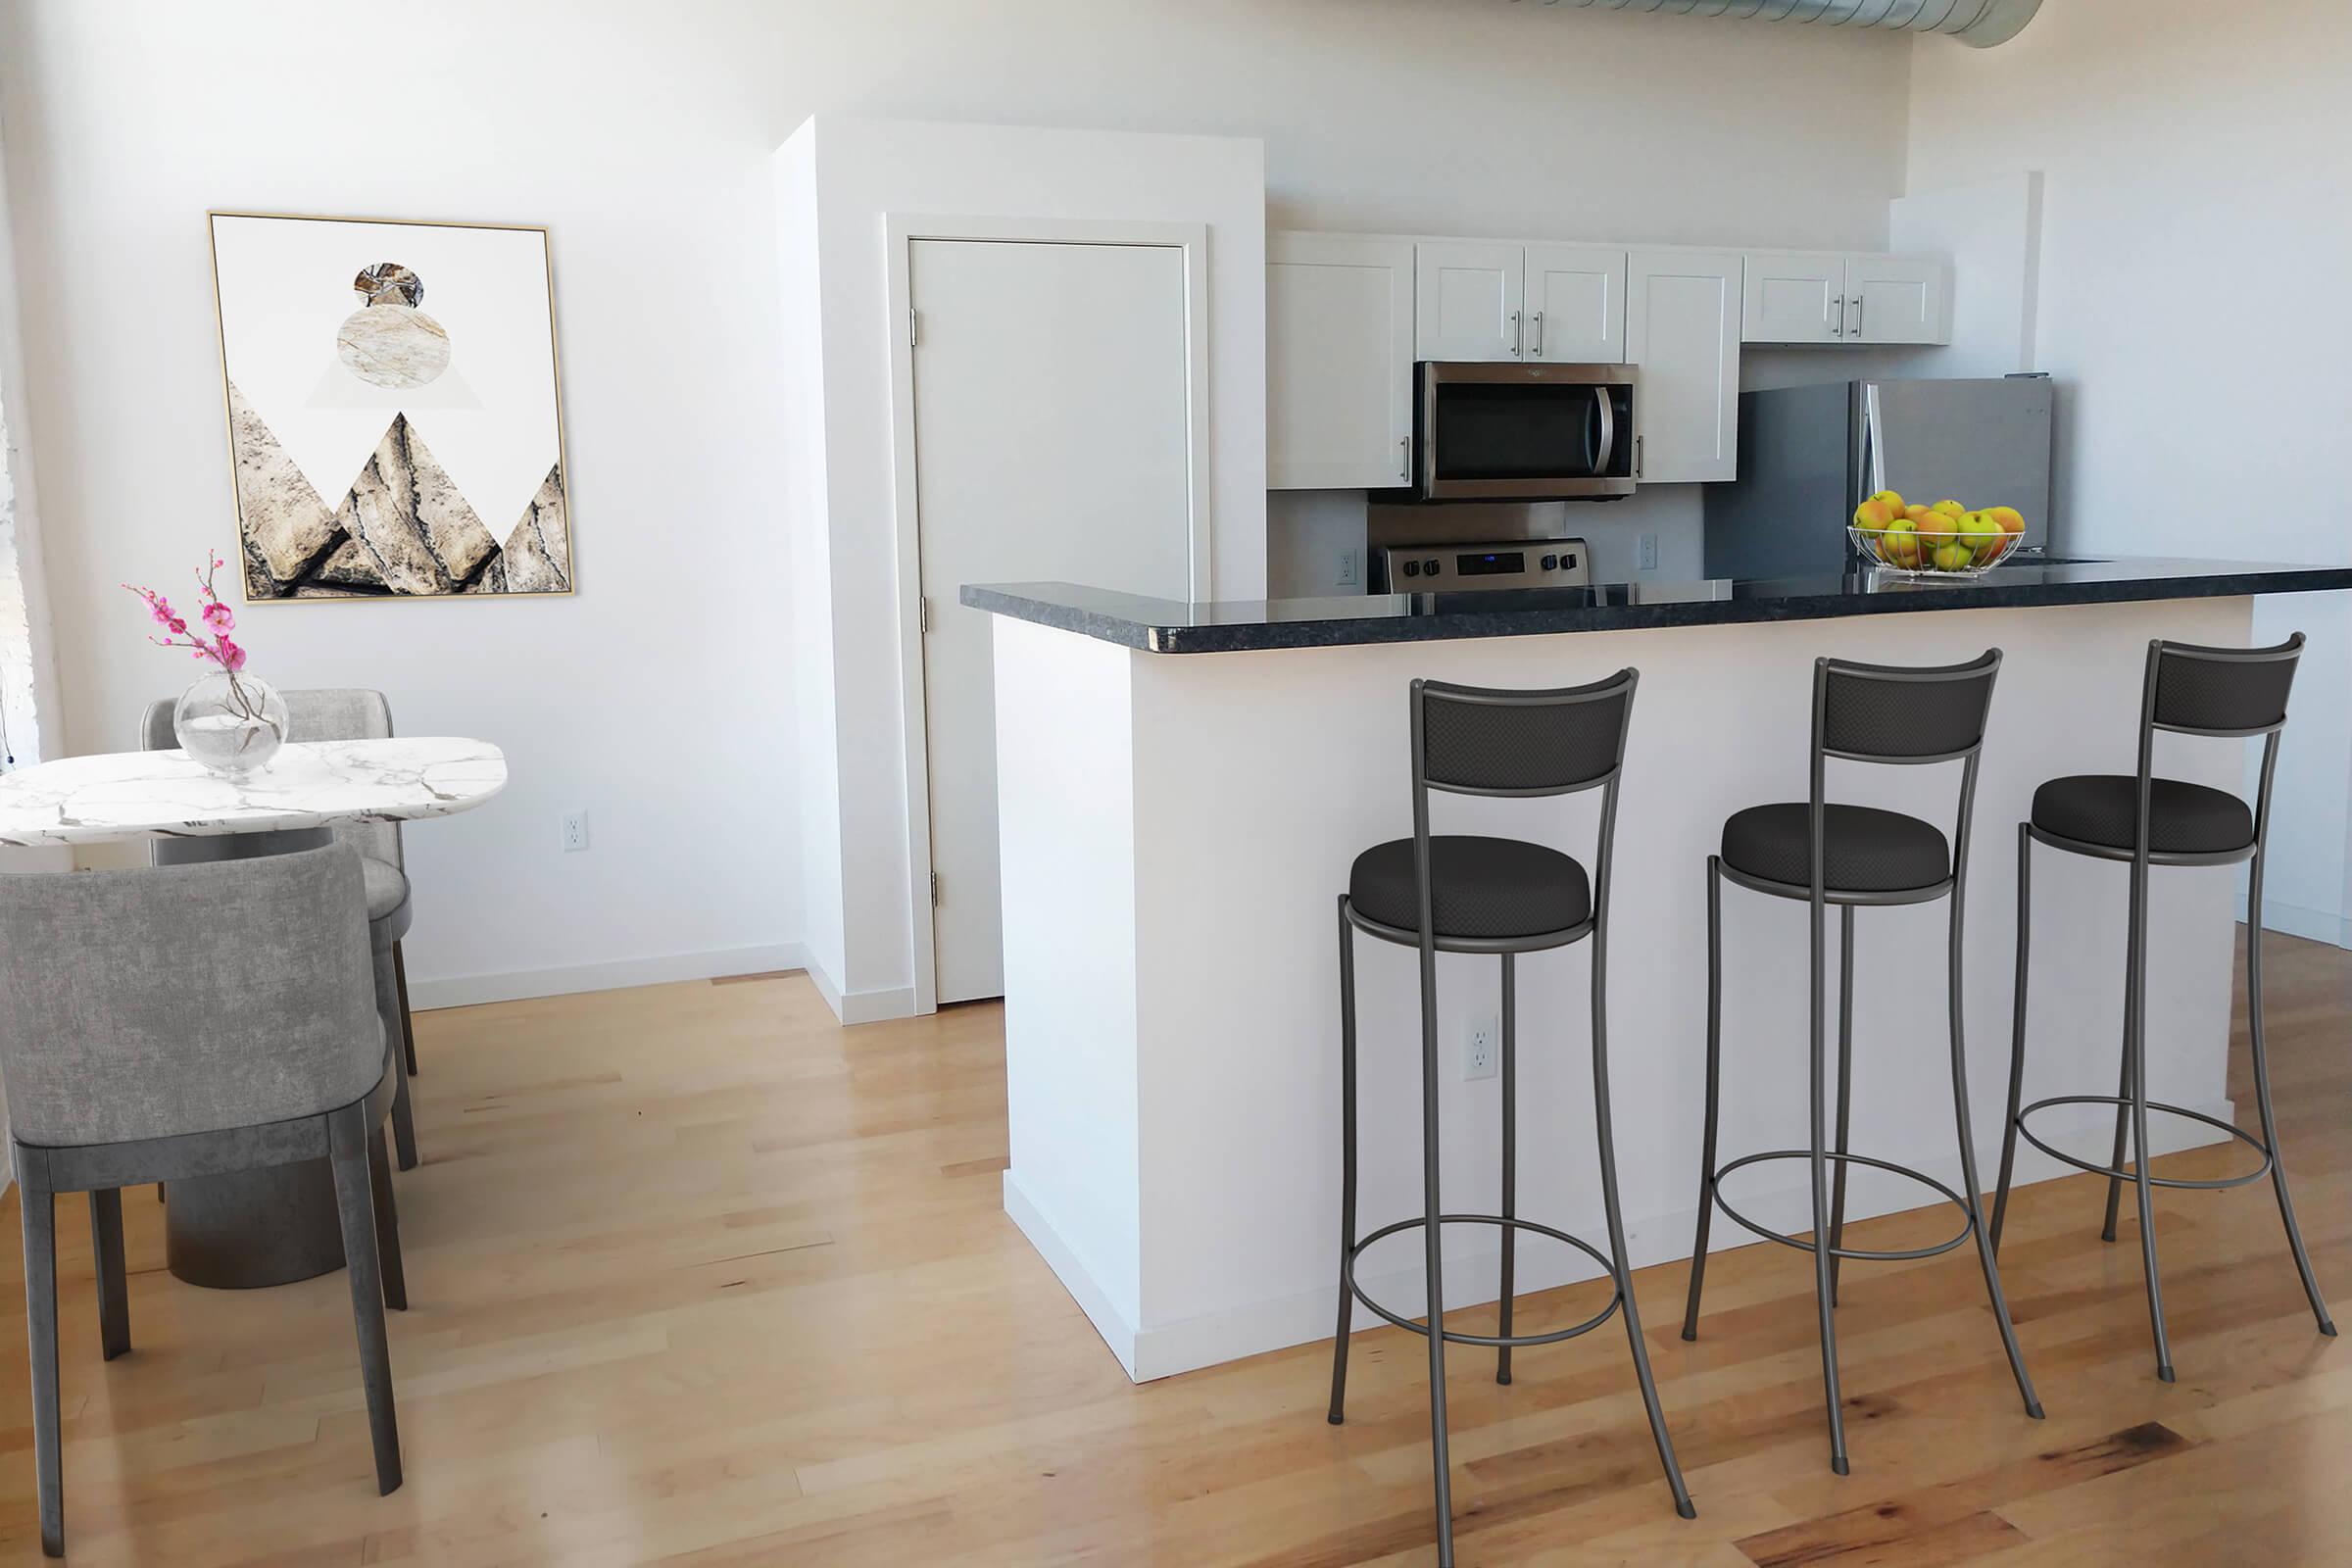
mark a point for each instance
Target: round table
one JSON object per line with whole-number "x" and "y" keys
{"x": 277, "y": 1224}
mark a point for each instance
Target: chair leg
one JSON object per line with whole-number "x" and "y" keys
{"x": 2123, "y": 1086}
{"x": 1605, "y": 1138}
{"x": 354, "y": 1206}
{"x": 2137, "y": 1056}
{"x": 1968, "y": 1179}
{"x": 1434, "y": 1257}
{"x": 1821, "y": 1195}
{"x": 2017, "y": 1031}
{"x": 2262, "y": 1097}
{"x": 1510, "y": 1160}
{"x": 1706, "y": 1148}
{"x": 114, "y": 1298}
{"x": 39, "y": 1214}
{"x": 388, "y": 1009}
{"x": 1846, "y": 1087}
{"x": 387, "y": 1223}
{"x": 408, "y": 1022}
{"x": 1338, "y": 1344}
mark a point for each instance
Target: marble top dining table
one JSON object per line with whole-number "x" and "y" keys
{"x": 307, "y": 784}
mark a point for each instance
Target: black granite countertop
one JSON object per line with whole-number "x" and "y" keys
{"x": 1243, "y": 626}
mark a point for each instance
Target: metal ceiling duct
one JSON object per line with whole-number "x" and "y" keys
{"x": 1981, "y": 22}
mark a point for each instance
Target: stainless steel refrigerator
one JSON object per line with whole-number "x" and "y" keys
{"x": 1809, "y": 454}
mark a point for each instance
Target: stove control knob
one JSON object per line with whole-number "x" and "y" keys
{"x": 1412, "y": 569}
{"x": 1551, "y": 561}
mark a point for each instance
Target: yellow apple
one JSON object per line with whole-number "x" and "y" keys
{"x": 2009, "y": 518}
{"x": 1892, "y": 502}
{"x": 1953, "y": 556}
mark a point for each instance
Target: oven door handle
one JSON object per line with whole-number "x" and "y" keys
{"x": 1608, "y": 433}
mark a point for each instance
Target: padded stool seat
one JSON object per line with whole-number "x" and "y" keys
{"x": 2183, "y": 819}
{"x": 1479, "y": 887}
{"x": 1868, "y": 851}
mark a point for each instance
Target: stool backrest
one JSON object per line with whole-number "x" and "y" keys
{"x": 1882, "y": 713}
{"x": 185, "y": 998}
{"x": 1476, "y": 740}
{"x": 322, "y": 714}
{"x": 2219, "y": 691}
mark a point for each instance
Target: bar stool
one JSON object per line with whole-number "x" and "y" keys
{"x": 2144, "y": 821}
{"x": 1850, "y": 856}
{"x": 1454, "y": 893}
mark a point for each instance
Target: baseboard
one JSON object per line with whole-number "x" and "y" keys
{"x": 471, "y": 990}
{"x": 860, "y": 1006}
{"x": 2315, "y": 925}
{"x": 1159, "y": 1350}
{"x": 1117, "y": 1333}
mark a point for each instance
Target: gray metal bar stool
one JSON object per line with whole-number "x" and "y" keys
{"x": 1828, "y": 854}
{"x": 186, "y": 1022}
{"x": 2227, "y": 693}
{"x": 1447, "y": 894}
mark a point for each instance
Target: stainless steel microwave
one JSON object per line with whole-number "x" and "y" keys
{"x": 1524, "y": 432}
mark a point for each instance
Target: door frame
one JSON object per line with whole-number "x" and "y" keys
{"x": 901, "y": 231}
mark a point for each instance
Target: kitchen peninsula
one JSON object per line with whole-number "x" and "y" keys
{"x": 1175, "y": 830}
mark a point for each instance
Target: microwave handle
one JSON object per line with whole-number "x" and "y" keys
{"x": 1608, "y": 430}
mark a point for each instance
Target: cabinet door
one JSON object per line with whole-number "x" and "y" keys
{"x": 1682, "y": 328}
{"x": 1794, "y": 297}
{"x": 1339, "y": 361}
{"x": 1575, "y": 304}
{"x": 1466, "y": 300}
{"x": 1898, "y": 299}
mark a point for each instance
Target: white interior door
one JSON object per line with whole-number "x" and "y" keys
{"x": 1575, "y": 304}
{"x": 1052, "y": 442}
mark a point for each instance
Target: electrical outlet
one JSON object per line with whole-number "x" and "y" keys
{"x": 576, "y": 831}
{"x": 1347, "y": 575}
{"x": 1478, "y": 1047}
{"x": 1649, "y": 552}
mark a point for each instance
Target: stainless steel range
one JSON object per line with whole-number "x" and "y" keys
{"x": 1466, "y": 568}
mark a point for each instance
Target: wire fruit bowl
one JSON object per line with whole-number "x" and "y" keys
{"x": 1932, "y": 550}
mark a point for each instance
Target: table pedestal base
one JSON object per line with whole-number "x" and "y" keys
{"x": 253, "y": 1228}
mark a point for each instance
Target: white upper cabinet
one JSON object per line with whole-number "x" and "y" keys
{"x": 1898, "y": 299}
{"x": 1339, "y": 361}
{"x": 1681, "y": 328}
{"x": 1845, "y": 297}
{"x": 1575, "y": 304}
{"x": 1467, "y": 301}
{"x": 1794, "y": 297}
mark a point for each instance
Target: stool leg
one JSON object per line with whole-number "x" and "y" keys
{"x": 2017, "y": 1031}
{"x": 1821, "y": 1193}
{"x": 1706, "y": 1148}
{"x": 2137, "y": 1056}
{"x": 113, "y": 1295}
{"x": 2123, "y": 1085}
{"x": 1968, "y": 1176}
{"x": 1845, "y": 1086}
{"x": 1618, "y": 1266}
{"x": 1339, "y": 1346}
{"x": 1510, "y": 1157}
{"x": 2262, "y": 1097}
{"x": 1441, "y": 1458}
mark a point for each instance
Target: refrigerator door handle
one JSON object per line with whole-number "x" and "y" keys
{"x": 1874, "y": 436}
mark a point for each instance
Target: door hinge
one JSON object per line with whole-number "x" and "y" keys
{"x": 922, "y": 612}
{"x": 914, "y": 326}
{"x": 935, "y": 890}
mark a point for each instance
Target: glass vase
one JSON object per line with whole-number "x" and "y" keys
{"x": 231, "y": 722}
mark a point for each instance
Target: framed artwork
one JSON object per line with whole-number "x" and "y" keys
{"x": 393, "y": 416}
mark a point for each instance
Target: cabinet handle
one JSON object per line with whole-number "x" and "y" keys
{"x": 1518, "y": 334}
{"x": 1535, "y": 346}
{"x": 1405, "y": 457}
{"x": 1857, "y": 315}
{"x": 1839, "y": 326}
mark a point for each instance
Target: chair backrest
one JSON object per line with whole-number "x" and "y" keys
{"x": 1885, "y": 713}
{"x": 1475, "y": 740}
{"x": 2219, "y": 691}
{"x": 185, "y": 998}
{"x": 325, "y": 713}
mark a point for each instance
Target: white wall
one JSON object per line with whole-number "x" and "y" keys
{"x": 2196, "y": 216}
{"x": 642, "y": 137}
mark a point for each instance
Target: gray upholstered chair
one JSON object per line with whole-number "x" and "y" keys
{"x": 187, "y": 1021}
{"x": 338, "y": 714}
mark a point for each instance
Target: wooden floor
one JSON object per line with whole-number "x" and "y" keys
{"x": 698, "y": 1276}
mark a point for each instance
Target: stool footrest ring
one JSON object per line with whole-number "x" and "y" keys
{"x": 2219, "y": 1185}
{"x": 1454, "y": 1337}
{"x": 1868, "y": 1254}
